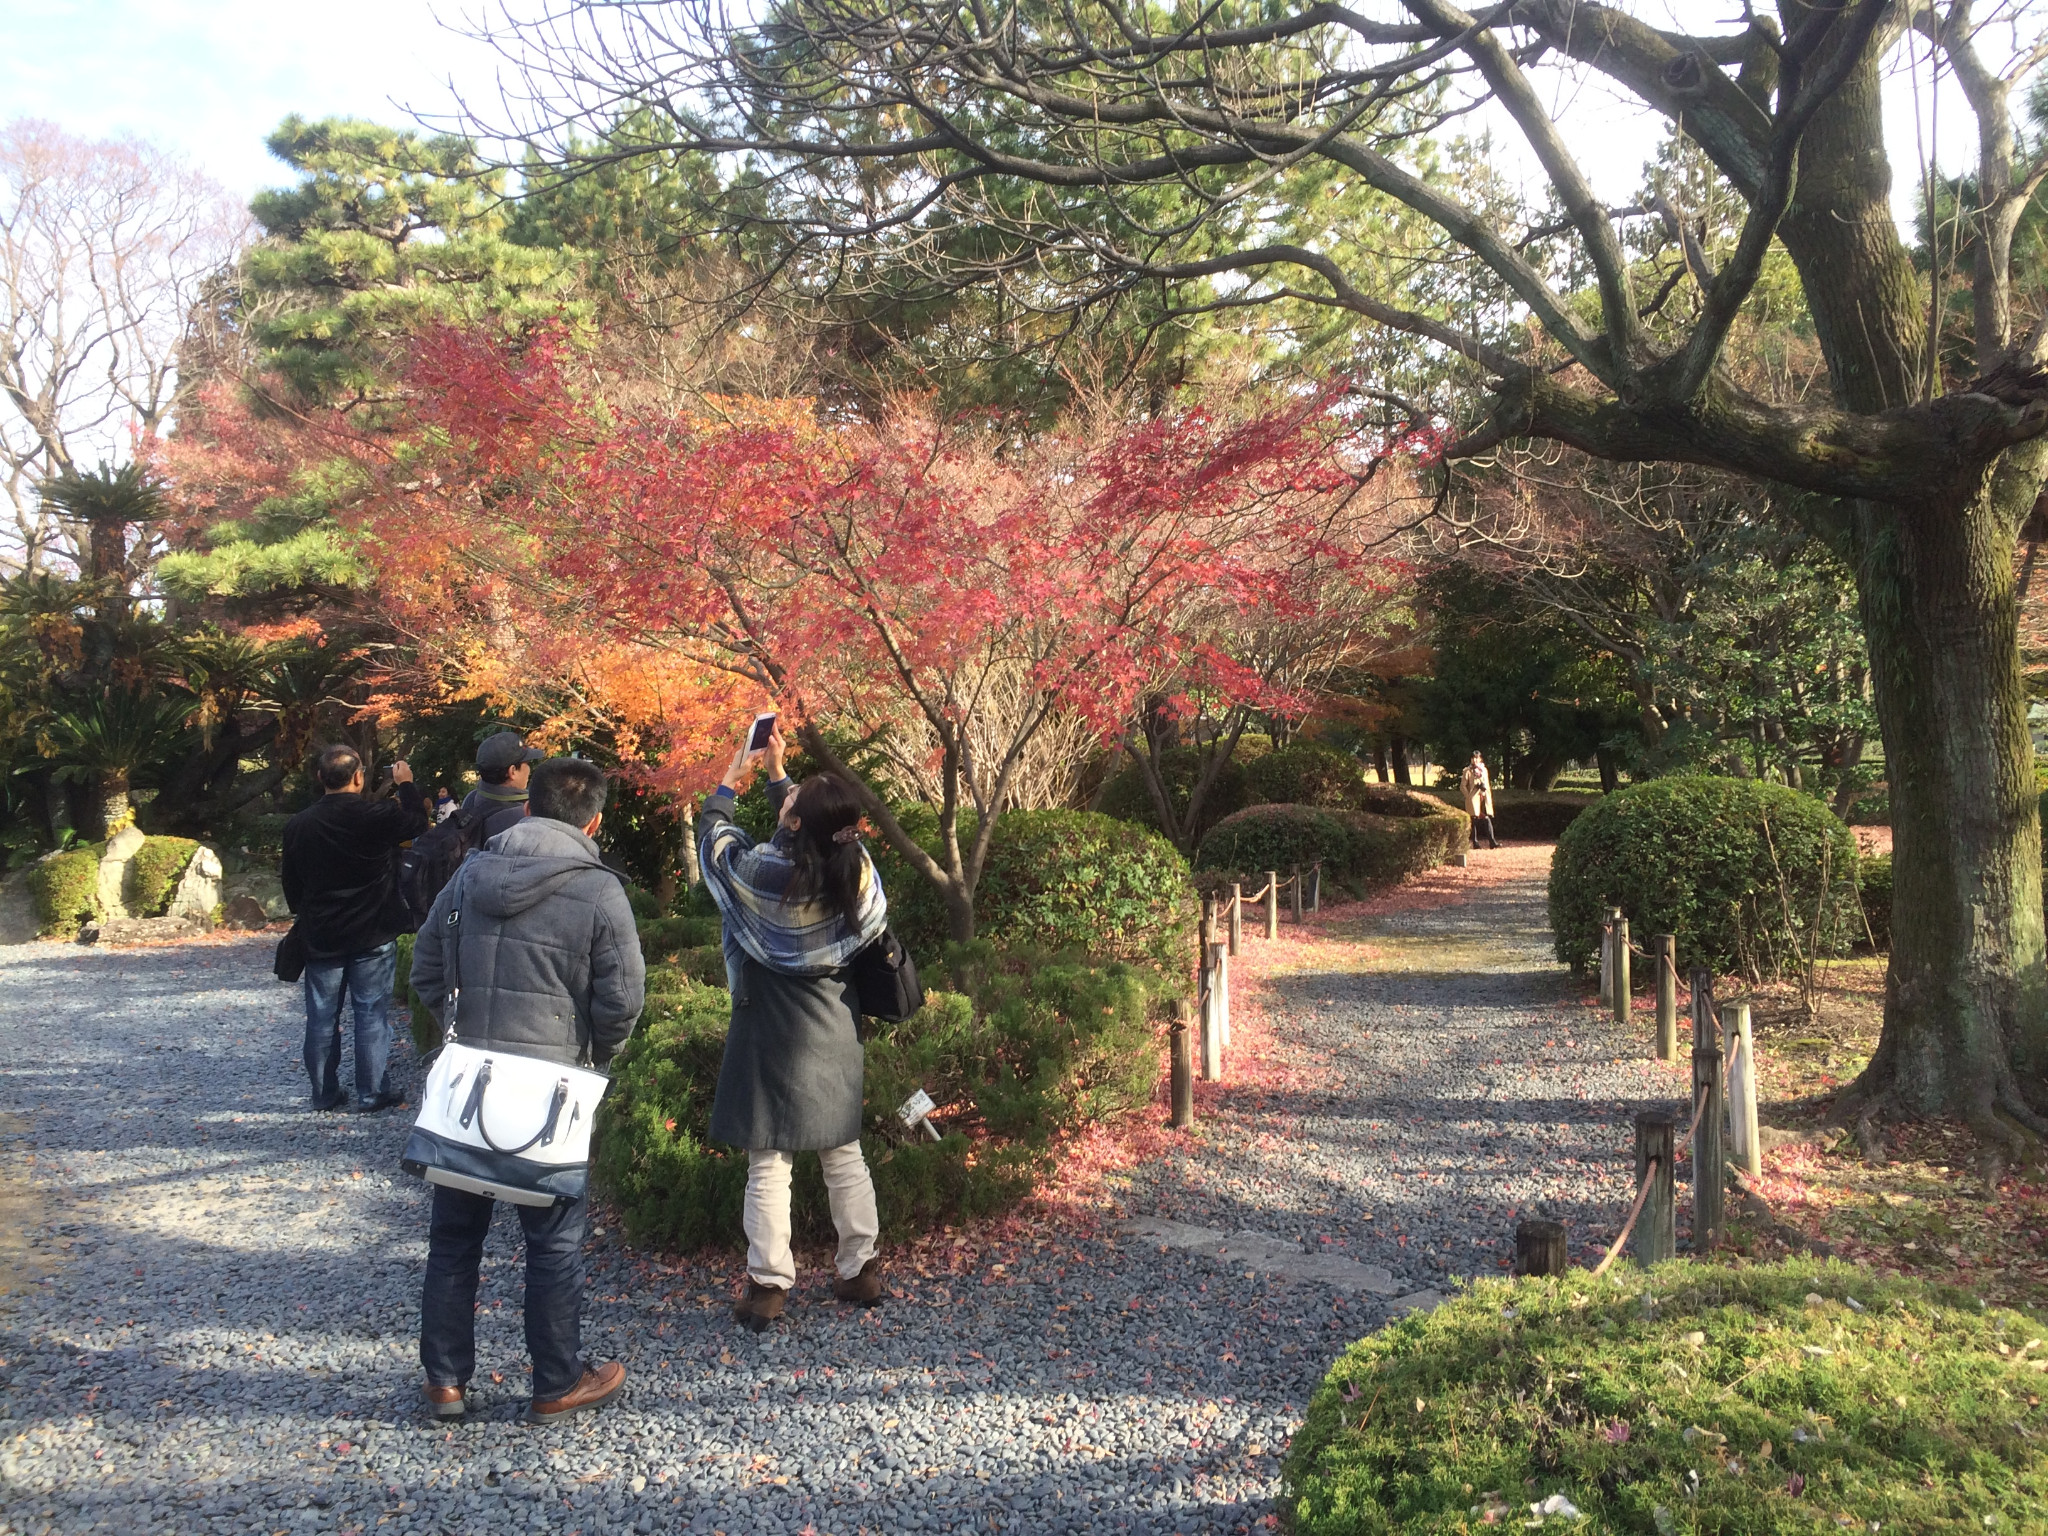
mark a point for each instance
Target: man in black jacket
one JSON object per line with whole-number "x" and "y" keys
{"x": 544, "y": 961}
{"x": 503, "y": 762}
{"x": 341, "y": 882}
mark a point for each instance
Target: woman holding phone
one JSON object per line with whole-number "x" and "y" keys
{"x": 797, "y": 909}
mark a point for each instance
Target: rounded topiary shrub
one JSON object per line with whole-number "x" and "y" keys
{"x": 1278, "y": 837}
{"x": 1126, "y": 797}
{"x": 1794, "y": 1397}
{"x": 1055, "y": 880}
{"x": 154, "y": 872}
{"x": 65, "y": 888}
{"x": 1747, "y": 875}
{"x": 1306, "y": 773}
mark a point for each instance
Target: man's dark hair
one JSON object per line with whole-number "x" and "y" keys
{"x": 499, "y": 776}
{"x": 336, "y": 765}
{"x": 566, "y": 789}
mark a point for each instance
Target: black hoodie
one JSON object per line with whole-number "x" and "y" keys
{"x": 549, "y": 962}
{"x": 340, "y": 870}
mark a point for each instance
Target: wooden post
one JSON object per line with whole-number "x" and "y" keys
{"x": 1656, "y": 1234}
{"x": 1315, "y": 887}
{"x": 1236, "y": 915}
{"x": 1272, "y": 903}
{"x": 1539, "y": 1248}
{"x": 1222, "y": 953}
{"x": 1607, "y": 961}
{"x": 1736, "y": 1042}
{"x": 1709, "y": 1168}
{"x": 1623, "y": 991}
{"x": 1703, "y": 1031}
{"x": 1294, "y": 895}
{"x": 1212, "y": 1024}
{"x": 1182, "y": 1069}
{"x": 1667, "y": 997}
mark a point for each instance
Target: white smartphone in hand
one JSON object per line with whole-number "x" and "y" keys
{"x": 764, "y": 727}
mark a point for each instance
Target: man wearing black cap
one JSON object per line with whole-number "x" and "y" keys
{"x": 498, "y": 804}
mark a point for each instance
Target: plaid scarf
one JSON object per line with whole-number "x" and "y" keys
{"x": 801, "y": 938}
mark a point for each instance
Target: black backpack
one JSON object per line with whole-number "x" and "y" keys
{"x": 430, "y": 863}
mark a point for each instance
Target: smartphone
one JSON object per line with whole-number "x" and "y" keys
{"x": 764, "y": 727}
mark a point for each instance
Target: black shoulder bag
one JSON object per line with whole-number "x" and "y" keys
{"x": 289, "y": 964}
{"x": 885, "y": 980}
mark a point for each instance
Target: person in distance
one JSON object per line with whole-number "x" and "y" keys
{"x": 549, "y": 966}
{"x": 340, "y": 876}
{"x": 797, "y": 909}
{"x": 1477, "y": 785}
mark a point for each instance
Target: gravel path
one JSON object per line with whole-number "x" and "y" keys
{"x": 213, "y": 1327}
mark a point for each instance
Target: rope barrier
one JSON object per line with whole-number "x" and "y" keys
{"x": 1699, "y": 1105}
{"x": 1642, "y": 1194}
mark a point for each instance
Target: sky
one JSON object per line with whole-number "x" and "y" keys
{"x": 213, "y": 77}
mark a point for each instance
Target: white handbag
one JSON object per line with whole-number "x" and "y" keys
{"x": 496, "y": 1123}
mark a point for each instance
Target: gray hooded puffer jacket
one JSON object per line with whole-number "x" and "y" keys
{"x": 549, "y": 961}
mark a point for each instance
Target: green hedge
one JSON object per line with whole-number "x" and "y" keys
{"x": 1718, "y": 862}
{"x": 1126, "y": 797}
{"x": 663, "y": 936}
{"x": 1406, "y": 834}
{"x": 1525, "y": 816}
{"x": 1689, "y": 1398}
{"x": 66, "y": 890}
{"x": 1874, "y": 887}
{"x": 153, "y": 874}
{"x": 1307, "y": 773}
{"x": 1056, "y": 881}
{"x": 1039, "y": 1051}
{"x": 426, "y": 1029}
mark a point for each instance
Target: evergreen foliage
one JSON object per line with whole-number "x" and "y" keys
{"x": 1793, "y": 1397}
{"x": 1748, "y": 876}
{"x": 65, "y": 887}
{"x": 154, "y": 872}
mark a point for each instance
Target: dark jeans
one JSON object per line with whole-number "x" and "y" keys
{"x": 554, "y": 1290}
{"x": 367, "y": 979}
{"x": 1482, "y": 826}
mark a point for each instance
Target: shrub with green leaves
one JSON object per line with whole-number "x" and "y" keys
{"x": 1039, "y": 1051}
{"x": 1306, "y": 773}
{"x": 663, "y": 936}
{"x": 1056, "y": 881}
{"x": 426, "y": 1029}
{"x": 1874, "y": 890}
{"x": 65, "y": 887}
{"x": 1697, "y": 1398}
{"x": 153, "y": 874}
{"x": 1526, "y": 816}
{"x": 1126, "y": 797}
{"x": 1403, "y": 834}
{"x": 1747, "y": 875}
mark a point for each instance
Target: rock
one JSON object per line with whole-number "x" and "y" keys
{"x": 121, "y": 848}
{"x": 261, "y": 886}
{"x": 18, "y": 921}
{"x": 117, "y": 931}
{"x": 198, "y": 891}
{"x": 244, "y": 911}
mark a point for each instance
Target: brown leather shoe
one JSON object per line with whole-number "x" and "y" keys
{"x": 865, "y": 1288}
{"x": 600, "y": 1384}
{"x": 445, "y": 1402}
{"x": 760, "y": 1306}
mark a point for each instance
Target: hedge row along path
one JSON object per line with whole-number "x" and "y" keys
{"x": 214, "y": 1329}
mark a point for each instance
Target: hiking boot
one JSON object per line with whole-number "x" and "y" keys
{"x": 381, "y": 1102}
{"x": 445, "y": 1402}
{"x": 600, "y": 1384}
{"x": 865, "y": 1288}
{"x": 760, "y": 1306}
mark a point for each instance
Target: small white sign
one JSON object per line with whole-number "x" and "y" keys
{"x": 915, "y": 1108}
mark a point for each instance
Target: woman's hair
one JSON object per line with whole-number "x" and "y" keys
{"x": 826, "y": 867}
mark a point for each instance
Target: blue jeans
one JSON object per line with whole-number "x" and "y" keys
{"x": 368, "y": 979}
{"x": 554, "y": 1290}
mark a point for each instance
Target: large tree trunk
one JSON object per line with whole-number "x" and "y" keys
{"x": 1966, "y": 996}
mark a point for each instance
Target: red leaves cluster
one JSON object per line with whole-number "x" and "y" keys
{"x": 883, "y": 572}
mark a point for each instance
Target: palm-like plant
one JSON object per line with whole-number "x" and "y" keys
{"x": 106, "y": 502}
{"x": 109, "y": 739}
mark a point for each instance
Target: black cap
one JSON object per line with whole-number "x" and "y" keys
{"x": 506, "y": 750}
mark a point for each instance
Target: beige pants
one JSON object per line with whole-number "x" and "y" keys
{"x": 766, "y": 1214}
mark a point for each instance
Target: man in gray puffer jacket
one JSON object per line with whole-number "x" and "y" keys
{"x": 547, "y": 964}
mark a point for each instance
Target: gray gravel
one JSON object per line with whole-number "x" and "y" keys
{"x": 214, "y": 1329}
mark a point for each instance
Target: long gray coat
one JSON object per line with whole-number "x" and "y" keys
{"x": 791, "y": 1078}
